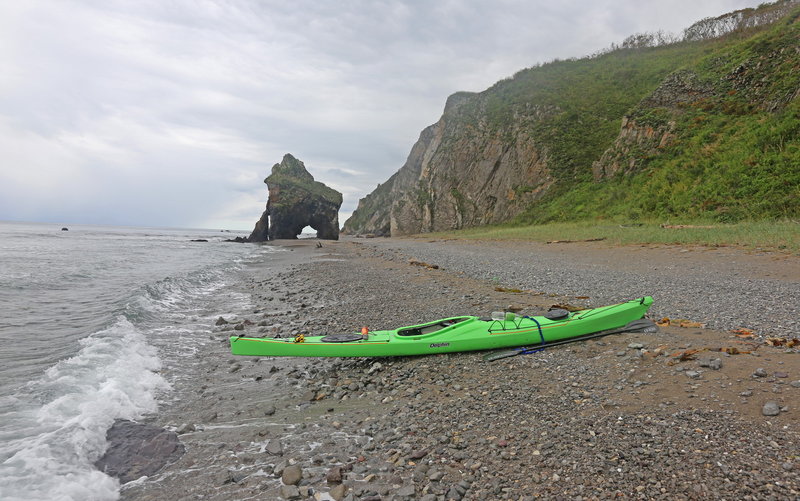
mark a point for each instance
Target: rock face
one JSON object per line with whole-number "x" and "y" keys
{"x": 460, "y": 173}
{"x": 295, "y": 201}
{"x": 651, "y": 127}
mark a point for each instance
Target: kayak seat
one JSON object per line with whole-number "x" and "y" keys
{"x": 427, "y": 329}
{"x": 409, "y": 332}
{"x": 418, "y": 331}
{"x": 432, "y": 328}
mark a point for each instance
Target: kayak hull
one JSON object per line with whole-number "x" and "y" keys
{"x": 454, "y": 334}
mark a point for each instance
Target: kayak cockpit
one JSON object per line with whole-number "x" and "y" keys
{"x": 419, "y": 330}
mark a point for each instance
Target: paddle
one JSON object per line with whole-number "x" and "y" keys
{"x": 641, "y": 325}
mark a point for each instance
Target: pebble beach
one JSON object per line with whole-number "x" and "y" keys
{"x": 707, "y": 408}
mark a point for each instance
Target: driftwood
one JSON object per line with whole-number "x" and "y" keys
{"x": 425, "y": 265}
{"x": 682, "y": 226}
{"x": 573, "y": 241}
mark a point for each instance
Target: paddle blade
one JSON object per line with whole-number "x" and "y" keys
{"x": 641, "y": 325}
{"x": 497, "y": 355}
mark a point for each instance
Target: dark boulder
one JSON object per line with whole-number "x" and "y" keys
{"x": 136, "y": 450}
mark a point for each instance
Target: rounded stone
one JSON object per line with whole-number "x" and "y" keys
{"x": 771, "y": 409}
{"x": 292, "y": 475}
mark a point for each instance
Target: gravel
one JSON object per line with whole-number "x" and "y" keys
{"x": 643, "y": 416}
{"x": 717, "y": 290}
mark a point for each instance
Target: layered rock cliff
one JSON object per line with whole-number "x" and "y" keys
{"x": 555, "y": 129}
{"x": 460, "y": 173}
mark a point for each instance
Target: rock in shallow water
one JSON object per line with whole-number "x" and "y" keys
{"x": 290, "y": 492}
{"x": 136, "y": 450}
{"x": 185, "y": 428}
{"x": 292, "y": 475}
{"x": 269, "y": 410}
{"x": 274, "y": 447}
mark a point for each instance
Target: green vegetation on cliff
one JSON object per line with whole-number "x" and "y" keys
{"x": 590, "y": 96}
{"x": 735, "y": 154}
{"x": 295, "y": 182}
{"x": 288, "y": 183}
{"x": 702, "y": 128}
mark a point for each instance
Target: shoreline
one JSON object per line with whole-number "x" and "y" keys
{"x": 615, "y": 416}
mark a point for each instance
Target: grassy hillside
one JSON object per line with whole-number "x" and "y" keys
{"x": 591, "y": 96}
{"x": 736, "y": 152}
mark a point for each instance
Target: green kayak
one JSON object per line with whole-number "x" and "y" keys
{"x": 466, "y": 333}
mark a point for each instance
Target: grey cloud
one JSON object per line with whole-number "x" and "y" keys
{"x": 162, "y": 113}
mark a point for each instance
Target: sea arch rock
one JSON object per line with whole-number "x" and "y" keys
{"x": 295, "y": 201}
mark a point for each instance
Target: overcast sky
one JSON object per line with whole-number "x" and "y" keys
{"x": 172, "y": 112}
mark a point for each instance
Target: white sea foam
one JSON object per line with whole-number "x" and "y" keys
{"x": 59, "y": 289}
{"x": 69, "y": 409}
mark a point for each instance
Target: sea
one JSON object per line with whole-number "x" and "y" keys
{"x": 89, "y": 319}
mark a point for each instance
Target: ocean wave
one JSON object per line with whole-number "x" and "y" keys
{"x": 113, "y": 376}
{"x": 86, "y": 341}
